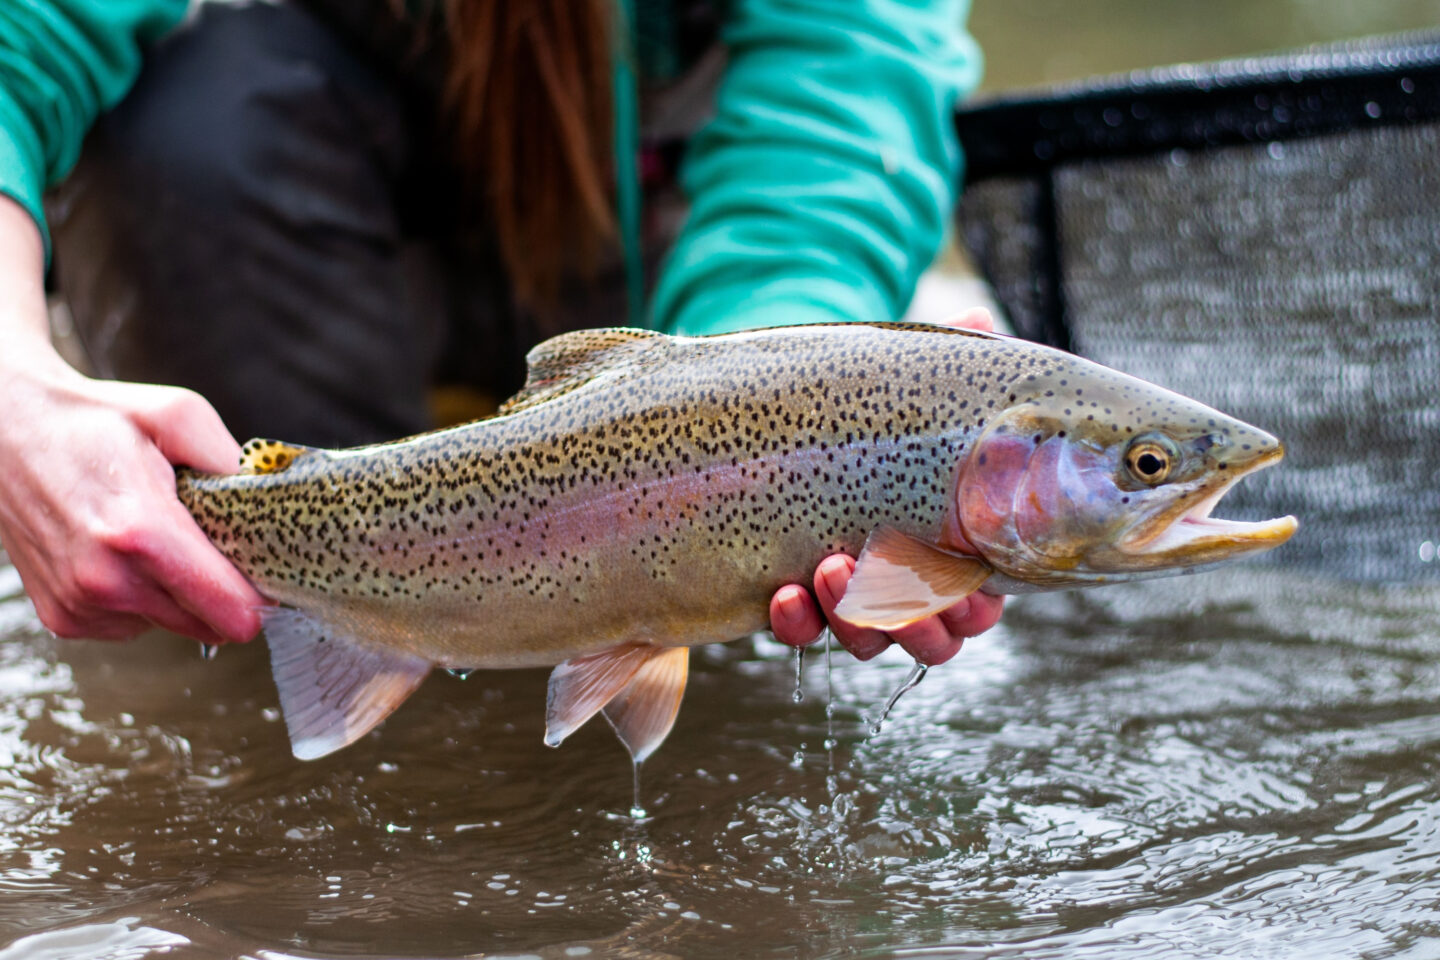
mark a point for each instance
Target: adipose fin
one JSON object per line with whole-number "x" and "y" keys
{"x": 269, "y": 456}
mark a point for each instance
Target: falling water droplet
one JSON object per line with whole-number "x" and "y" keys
{"x": 637, "y": 812}
{"x": 829, "y": 684}
{"x": 460, "y": 673}
{"x": 917, "y": 673}
{"x": 799, "y": 693}
{"x": 829, "y": 700}
{"x": 207, "y": 651}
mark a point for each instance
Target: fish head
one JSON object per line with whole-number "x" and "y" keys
{"x": 1088, "y": 475}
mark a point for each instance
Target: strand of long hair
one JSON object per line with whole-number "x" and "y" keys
{"x": 530, "y": 100}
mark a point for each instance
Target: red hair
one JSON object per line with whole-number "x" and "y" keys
{"x": 529, "y": 96}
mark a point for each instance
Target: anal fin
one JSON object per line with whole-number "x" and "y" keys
{"x": 899, "y": 579}
{"x": 333, "y": 690}
{"x": 639, "y": 686}
{"x": 643, "y": 713}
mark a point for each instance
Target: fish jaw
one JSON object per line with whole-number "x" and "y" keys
{"x": 1188, "y": 535}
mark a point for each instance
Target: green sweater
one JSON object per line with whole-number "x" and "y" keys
{"x": 819, "y": 192}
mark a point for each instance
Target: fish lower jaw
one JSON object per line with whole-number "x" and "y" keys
{"x": 1197, "y": 537}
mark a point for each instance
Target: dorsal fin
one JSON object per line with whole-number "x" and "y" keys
{"x": 570, "y": 360}
{"x": 269, "y": 456}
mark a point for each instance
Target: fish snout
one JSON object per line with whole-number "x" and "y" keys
{"x": 1241, "y": 449}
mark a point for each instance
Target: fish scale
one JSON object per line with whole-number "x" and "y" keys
{"x": 643, "y": 489}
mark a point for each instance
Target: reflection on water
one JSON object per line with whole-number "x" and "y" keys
{"x": 1227, "y": 765}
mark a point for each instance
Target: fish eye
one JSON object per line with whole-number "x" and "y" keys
{"x": 1151, "y": 457}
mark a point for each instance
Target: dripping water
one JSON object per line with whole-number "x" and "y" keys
{"x": 637, "y": 812}
{"x": 799, "y": 694}
{"x": 917, "y": 673}
{"x": 840, "y": 802}
{"x": 829, "y": 699}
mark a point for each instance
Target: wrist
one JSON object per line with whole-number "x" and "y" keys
{"x": 30, "y": 355}
{"x": 24, "y": 319}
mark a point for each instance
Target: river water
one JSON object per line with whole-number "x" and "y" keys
{"x": 1235, "y": 764}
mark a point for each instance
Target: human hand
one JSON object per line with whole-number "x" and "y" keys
{"x": 796, "y": 621}
{"x": 88, "y": 512}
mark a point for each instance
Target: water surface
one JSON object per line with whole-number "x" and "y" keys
{"x": 1224, "y": 765}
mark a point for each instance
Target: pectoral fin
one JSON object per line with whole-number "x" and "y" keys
{"x": 899, "y": 580}
{"x": 333, "y": 690}
{"x": 643, "y": 713}
{"x": 639, "y": 686}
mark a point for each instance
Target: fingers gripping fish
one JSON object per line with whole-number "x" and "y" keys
{"x": 644, "y": 494}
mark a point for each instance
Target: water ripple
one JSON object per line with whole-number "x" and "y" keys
{"x": 1140, "y": 774}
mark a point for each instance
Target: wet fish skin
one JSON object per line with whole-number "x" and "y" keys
{"x": 647, "y": 491}
{"x": 593, "y": 517}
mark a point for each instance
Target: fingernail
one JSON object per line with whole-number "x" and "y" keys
{"x": 836, "y": 580}
{"x": 792, "y": 610}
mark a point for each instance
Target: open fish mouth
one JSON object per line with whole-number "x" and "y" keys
{"x": 1187, "y": 533}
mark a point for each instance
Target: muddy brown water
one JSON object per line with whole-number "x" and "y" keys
{"x": 1238, "y": 764}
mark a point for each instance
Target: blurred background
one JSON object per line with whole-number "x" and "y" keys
{"x": 1043, "y": 43}
{"x": 1051, "y": 41}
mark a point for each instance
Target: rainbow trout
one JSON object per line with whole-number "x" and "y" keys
{"x": 644, "y": 493}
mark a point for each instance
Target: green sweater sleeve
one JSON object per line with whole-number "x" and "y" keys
{"x": 820, "y": 190}
{"x": 61, "y": 63}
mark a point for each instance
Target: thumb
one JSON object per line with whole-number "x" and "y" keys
{"x": 187, "y": 430}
